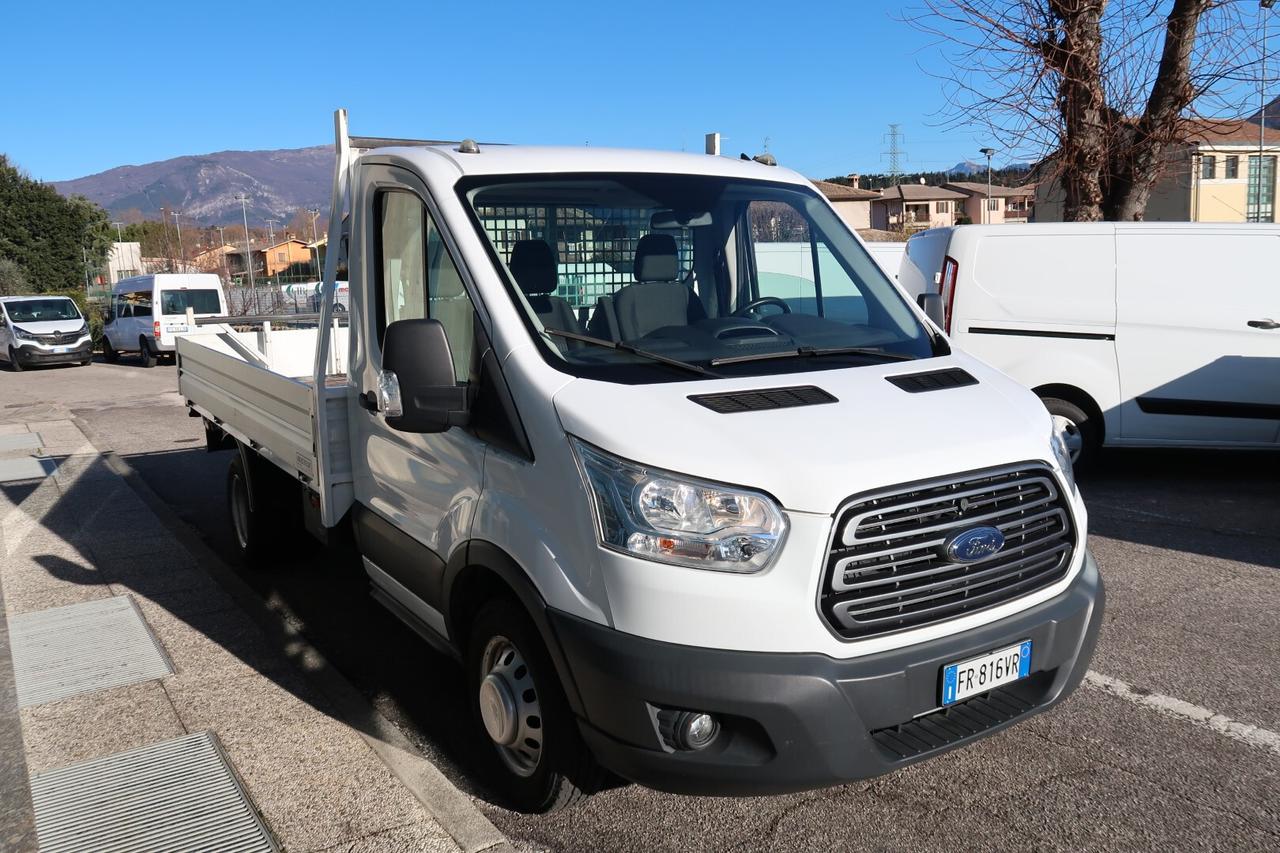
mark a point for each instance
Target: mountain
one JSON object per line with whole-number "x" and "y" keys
{"x": 968, "y": 167}
{"x": 205, "y": 186}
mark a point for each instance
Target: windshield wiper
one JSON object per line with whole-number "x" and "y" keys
{"x": 811, "y": 352}
{"x": 643, "y": 353}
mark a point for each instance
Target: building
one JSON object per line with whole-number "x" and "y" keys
{"x": 850, "y": 201}
{"x": 124, "y": 260}
{"x": 214, "y": 259}
{"x": 1213, "y": 176}
{"x": 1007, "y": 204}
{"x": 914, "y": 207}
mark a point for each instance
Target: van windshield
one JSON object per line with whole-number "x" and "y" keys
{"x": 42, "y": 310}
{"x": 728, "y": 274}
{"x": 199, "y": 301}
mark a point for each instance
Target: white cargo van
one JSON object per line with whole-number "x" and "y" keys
{"x": 1134, "y": 334}
{"x": 43, "y": 330}
{"x": 713, "y": 539}
{"x": 148, "y": 312}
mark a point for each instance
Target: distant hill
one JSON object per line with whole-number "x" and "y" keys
{"x": 968, "y": 167}
{"x": 205, "y": 186}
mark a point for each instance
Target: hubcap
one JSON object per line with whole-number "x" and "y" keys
{"x": 509, "y": 706}
{"x": 1070, "y": 432}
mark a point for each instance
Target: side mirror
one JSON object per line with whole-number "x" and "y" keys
{"x": 417, "y": 390}
{"x": 933, "y": 308}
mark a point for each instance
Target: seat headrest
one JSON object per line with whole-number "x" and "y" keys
{"x": 656, "y": 258}
{"x": 533, "y": 264}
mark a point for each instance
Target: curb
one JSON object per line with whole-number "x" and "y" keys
{"x": 452, "y": 809}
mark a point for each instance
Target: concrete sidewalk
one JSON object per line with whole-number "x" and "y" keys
{"x": 174, "y": 656}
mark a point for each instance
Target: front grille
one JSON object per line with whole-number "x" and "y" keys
{"x": 887, "y": 571}
{"x": 59, "y": 338}
{"x": 952, "y": 724}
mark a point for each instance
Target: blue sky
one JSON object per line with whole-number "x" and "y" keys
{"x": 94, "y": 85}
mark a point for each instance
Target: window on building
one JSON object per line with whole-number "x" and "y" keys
{"x": 916, "y": 212}
{"x": 1232, "y": 167}
{"x": 1208, "y": 167}
{"x": 281, "y": 257}
{"x": 993, "y": 204}
{"x": 944, "y": 207}
{"x": 1261, "y": 203}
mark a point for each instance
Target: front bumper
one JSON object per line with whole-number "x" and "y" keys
{"x": 793, "y": 722}
{"x": 29, "y": 353}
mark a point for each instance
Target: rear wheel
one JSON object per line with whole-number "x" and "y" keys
{"x": 109, "y": 354}
{"x": 535, "y": 755}
{"x": 14, "y": 364}
{"x": 1080, "y": 431}
{"x": 264, "y": 507}
{"x": 145, "y": 352}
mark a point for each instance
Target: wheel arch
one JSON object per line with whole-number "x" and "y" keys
{"x": 480, "y": 571}
{"x": 1078, "y": 397}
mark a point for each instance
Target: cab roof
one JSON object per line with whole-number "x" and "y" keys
{"x": 545, "y": 159}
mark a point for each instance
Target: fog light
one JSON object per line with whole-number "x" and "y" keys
{"x": 687, "y": 730}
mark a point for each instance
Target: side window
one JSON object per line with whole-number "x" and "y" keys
{"x": 419, "y": 278}
{"x": 785, "y": 254}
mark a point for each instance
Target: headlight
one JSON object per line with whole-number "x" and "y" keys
{"x": 670, "y": 518}
{"x": 1062, "y": 452}
{"x": 23, "y": 335}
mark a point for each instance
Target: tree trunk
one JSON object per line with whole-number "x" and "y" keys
{"x": 1171, "y": 94}
{"x": 1076, "y": 56}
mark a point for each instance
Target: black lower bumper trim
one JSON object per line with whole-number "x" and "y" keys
{"x": 791, "y": 722}
{"x": 31, "y": 355}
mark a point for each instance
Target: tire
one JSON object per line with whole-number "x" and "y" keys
{"x": 506, "y": 660}
{"x": 264, "y": 509}
{"x": 109, "y": 354}
{"x": 149, "y": 358}
{"x": 1083, "y": 432}
{"x": 14, "y": 364}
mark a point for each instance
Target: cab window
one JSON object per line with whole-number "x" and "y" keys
{"x": 418, "y": 277}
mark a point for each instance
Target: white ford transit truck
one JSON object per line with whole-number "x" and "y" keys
{"x": 714, "y": 539}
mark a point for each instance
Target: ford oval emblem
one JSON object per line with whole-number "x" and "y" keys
{"x": 972, "y": 545}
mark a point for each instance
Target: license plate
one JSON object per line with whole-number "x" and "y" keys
{"x": 175, "y": 328}
{"x": 978, "y": 675}
{"x": 61, "y": 349}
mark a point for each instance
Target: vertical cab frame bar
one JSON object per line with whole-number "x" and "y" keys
{"x": 324, "y": 336}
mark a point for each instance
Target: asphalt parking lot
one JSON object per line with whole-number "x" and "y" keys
{"x": 1172, "y": 744}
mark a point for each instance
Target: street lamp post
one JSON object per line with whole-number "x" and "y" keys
{"x": 182, "y": 255}
{"x": 1263, "y": 7}
{"x": 222, "y": 249}
{"x": 271, "y": 243}
{"x": 248, "y": 250}
{"x": 986, "y": 214}
{"x": 315, "y": 241}
{"x": 119, "y": 248}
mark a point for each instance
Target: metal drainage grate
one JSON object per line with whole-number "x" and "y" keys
{"x": 83, "y": 647}
{"x": 178, "y": 795}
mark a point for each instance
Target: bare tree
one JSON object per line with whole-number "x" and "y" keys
{"x": 1103, "y": 88}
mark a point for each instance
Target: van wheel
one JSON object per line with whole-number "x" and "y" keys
{"x": 109, "y": 354}
{"x": 535, "y": 755}
{"x": 148, "y": 357}
{"x": 14, "y": 364}
{"x": 1082, "y": 433}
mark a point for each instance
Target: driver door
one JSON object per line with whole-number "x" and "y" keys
{"x": 420, "y": 489}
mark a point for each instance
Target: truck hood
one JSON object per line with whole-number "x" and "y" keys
{"x": 48, "y": 327}
{"x": 811, "y": 458}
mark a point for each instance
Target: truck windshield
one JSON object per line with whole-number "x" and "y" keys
{"x": 743, "y": 276}
{"x": 42, "y": 310}
{"x": 199, "y": 301}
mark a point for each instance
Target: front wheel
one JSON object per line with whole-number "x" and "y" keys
{"x": 148, "y": 356}
{"x": 14, "y": 364}
{"x": 1082, "y": 433}
{"x": 109, "y": 354}
{"x": 534, "y": 753}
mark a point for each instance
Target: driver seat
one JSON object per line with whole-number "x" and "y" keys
{"x": 658, "y": 298}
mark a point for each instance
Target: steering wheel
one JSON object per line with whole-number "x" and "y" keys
{"x": 751, "y": 306}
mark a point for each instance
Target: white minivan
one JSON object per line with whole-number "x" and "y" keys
{"x": 148, "y": 311}
{"x": 1134, "y": 334}
{"x": 43, "y": 330}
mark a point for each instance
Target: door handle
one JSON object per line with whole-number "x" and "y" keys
{"x": 1266, "y": 323}
{"x": 368, "y": 400}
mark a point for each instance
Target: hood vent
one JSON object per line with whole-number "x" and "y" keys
{"x": 934, "y": 380}
{"x": 763, "y": 399}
